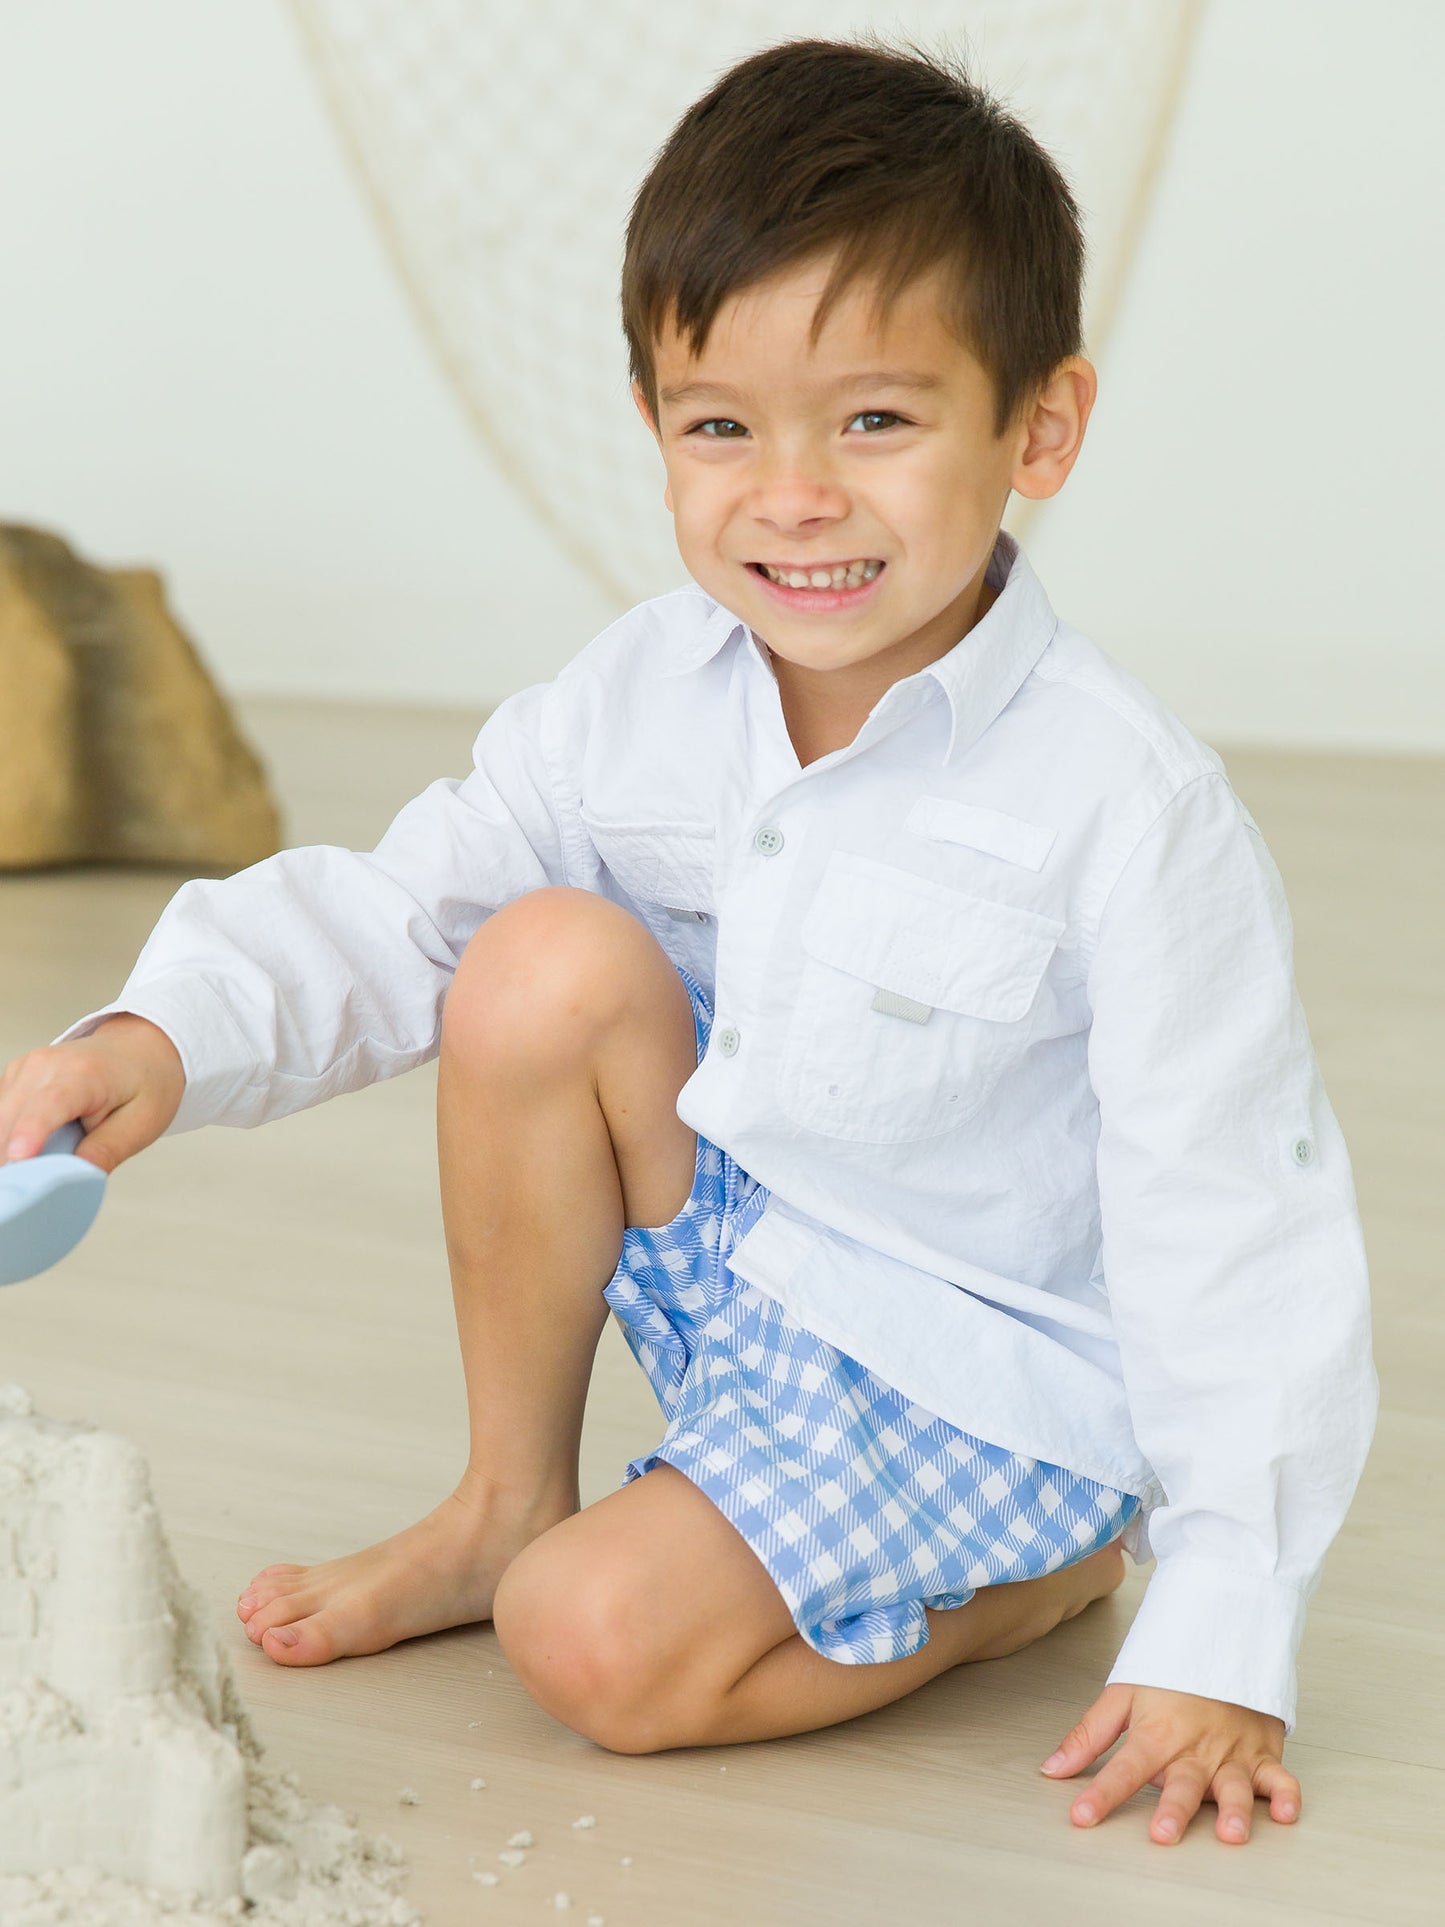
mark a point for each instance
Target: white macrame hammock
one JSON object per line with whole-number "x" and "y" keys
{"x": 500, "y": 146}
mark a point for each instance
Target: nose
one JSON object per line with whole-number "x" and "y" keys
{"x": 793, "y": 494}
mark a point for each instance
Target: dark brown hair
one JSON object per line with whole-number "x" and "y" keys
{"x": 897, "y": 159}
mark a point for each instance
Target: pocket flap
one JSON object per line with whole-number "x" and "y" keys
{"x": 927, "y": 942}
{"x": 668, "y": 864}
{"x": 947, "y": 820}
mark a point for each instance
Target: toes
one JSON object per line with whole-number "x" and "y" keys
{"x": 303, "y": 1642}
{"x": 271, "y": 1572}
{"x": 264, "y": 1592}
{"x": 279, "y": 1611}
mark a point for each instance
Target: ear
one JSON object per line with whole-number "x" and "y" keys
{"x": 646, "y": 413}
{"x": 1052, "y": 432}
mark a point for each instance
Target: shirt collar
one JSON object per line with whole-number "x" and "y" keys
{"x": 980, "y": 675}
{"x": 983, "y": 673}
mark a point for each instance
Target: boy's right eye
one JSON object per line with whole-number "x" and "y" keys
{"x": 718, "y": 421}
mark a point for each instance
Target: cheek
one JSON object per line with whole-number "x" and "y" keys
{"x": 697, "y": 517}
{"x": 944, "y": 512}
{"x": 697, "y": 541}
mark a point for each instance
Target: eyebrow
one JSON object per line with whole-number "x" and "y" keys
{"x": 877, "y": 378}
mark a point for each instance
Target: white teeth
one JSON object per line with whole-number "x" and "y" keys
{"x": 842, "y": 575}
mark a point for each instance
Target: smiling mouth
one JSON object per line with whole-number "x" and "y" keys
{"x": 820, "y": 575}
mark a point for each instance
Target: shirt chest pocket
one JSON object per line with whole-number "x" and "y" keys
{"x": 913, "y": 1000}
{"x": 667, "y": 871}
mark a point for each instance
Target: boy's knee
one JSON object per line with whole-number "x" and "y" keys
{"x": 577, "y": 1645}
{"x": 540, "y": 977}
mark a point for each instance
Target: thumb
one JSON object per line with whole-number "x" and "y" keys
{"x": 1095, "y": 1733}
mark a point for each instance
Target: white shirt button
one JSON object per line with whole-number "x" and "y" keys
{"x": 728, "y": 1041}
{"x": 768, "y": 842}
{"x": 1304, "y": 1151}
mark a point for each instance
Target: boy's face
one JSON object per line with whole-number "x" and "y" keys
{"x": 871, "y": 458}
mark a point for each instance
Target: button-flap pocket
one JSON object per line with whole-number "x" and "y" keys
{"x": 947, "y": 820}
{"x": 913, "y": 1001}
{"x": 669, "y": 865}
{"x": 926, "y": 942}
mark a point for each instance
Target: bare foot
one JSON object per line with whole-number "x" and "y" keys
{"x": 440, "y": 1572}
{"x": 1052, "y": 1599}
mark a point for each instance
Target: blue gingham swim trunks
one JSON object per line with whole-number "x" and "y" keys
{"x": 864, "y": 1507}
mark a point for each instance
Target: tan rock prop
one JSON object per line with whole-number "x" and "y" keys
{"x": 115, "y": 745}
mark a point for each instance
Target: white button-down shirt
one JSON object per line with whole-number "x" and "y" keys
{"x": 1006, "y": 1021}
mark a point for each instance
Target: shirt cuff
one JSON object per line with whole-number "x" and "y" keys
{"x": 214, "y": 1054}
{"x": 1210, "y": 1629}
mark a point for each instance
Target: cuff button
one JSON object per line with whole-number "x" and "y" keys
{"x": 1304, "y": 1151}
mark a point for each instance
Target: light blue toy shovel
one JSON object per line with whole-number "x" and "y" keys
{"x": 47, "y": 1204}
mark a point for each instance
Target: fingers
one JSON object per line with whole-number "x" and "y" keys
{"x": 128, "y": 1129}
{"x": 43, "y": 1090}
{"x": 1281, "y": 1789}
{"x": 1095, "y": 1733}
{"x": 1234, "y": 1794}
{"x": 125, "y": 1084}
{"x": 1191, "y": 1748}
{"x": 1185, "y": 1784}
{"x": 1233, "y": 1790}
{"x": 1132, "y": 1768}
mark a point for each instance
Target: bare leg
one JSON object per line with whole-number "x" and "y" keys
{"x": 793, "y": 1689}
{"x": 567, "y": 1036}
{"x": 648, "y": 1622}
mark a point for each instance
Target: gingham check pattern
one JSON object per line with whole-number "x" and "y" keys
{"x": 863, "y": 1506}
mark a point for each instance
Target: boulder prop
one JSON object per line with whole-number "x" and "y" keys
{"x": 115, "y": 744}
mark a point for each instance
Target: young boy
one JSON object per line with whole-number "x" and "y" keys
{"x": 1002, "y": 1212}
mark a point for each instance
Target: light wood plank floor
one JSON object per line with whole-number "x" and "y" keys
{"x": 267, "y": 1315}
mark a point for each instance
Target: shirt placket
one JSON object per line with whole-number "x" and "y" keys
{"x": 757, "y": 870}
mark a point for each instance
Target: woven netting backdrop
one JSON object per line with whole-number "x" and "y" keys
{"x": 501, "y": 146}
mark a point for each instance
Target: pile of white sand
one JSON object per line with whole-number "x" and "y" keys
{"x": 132, "y": 1786}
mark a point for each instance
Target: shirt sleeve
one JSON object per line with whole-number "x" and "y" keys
{"x": 320, "y": 969}
{"x": 1233, "y": 1256}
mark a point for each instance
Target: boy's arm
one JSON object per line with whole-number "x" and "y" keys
{"x": 323, "y": 969}
{"x": 1233, "y": 1256}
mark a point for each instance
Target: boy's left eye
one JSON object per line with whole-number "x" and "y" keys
{"x": 876, "y": 415}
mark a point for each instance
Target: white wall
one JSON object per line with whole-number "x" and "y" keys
{"x": 209, "y": 366}
{"x": 1254, "y": 525}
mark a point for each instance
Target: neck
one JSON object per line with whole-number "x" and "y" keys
{"x": 825, "y": 708}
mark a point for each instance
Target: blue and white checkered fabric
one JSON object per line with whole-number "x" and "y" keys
{"x": 864, "y": 1507}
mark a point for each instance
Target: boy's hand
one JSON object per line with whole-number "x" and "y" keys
{"x": 124, "y": 1082}
{"x": 1192, "y": 1748}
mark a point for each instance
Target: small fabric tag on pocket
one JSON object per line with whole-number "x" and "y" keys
{"x": 893, "y": 1004}
{"x": 685, "y": 916}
